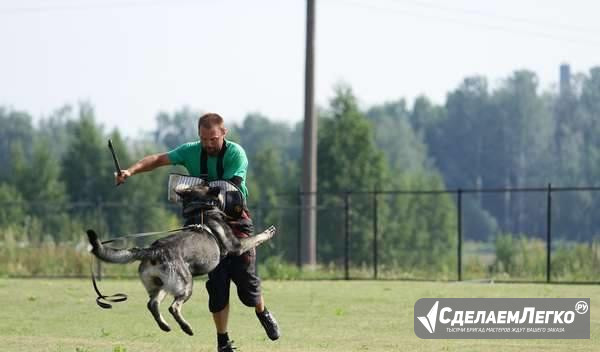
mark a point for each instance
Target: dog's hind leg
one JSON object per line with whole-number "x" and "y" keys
{"x": 175, "y": 309}
{"x": 149, "y": 274}
{"x": 248, "y": 243}
{"x": 156, "y": 296}
{"x": 183, "y": 288}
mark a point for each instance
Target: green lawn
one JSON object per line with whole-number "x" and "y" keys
{"x": 61, "y": 315}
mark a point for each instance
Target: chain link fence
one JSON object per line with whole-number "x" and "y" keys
{"x": 529, "y": 234}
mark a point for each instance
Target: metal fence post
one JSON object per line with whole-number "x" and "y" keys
{"x": 548, "y": 232}
{"x": 375, "y": 233}
{"x": 99, "y": 221}
{"x": 299, "y": 232}
{"x": 347, "y": 236}
{"x": 459, "y": 232}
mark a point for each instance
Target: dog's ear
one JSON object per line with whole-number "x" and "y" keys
{"x": 214, "y": 191}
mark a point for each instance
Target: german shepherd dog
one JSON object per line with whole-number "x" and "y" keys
{"x": 170, "y": 263}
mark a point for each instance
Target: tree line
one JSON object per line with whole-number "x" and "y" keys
{"x": 56, "y": 176}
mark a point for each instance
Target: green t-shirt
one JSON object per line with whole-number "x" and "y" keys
{"x": 235, "y": 162}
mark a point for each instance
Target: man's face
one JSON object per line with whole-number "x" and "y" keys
{"x": 212, "y": 139}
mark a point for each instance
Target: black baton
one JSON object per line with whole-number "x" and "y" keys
{"x": 117, "y": 166}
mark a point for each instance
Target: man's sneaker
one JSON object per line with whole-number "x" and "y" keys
{"x": 269, "y": 323}
{"x": 227, "y": 348}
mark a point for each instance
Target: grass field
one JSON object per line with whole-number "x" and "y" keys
{"x": 61, "y": 315}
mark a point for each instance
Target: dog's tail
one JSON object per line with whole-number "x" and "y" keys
{"x": 112, "y": 255}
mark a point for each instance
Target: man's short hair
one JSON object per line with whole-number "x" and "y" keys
{"x": 210, "y": 120}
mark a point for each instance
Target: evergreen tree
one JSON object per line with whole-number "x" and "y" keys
{"x": 348, "y": 160}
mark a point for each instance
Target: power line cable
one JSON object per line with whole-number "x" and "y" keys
{"x": 85, "y": 6}
{"x": 546, "y": 24}
{"x": 493, "y": 27}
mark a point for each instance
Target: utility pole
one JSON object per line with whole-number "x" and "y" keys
{"x": 309, "y": 155}
{"x": 565, "y": 80}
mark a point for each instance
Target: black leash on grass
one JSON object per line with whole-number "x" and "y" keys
{"x": 103, "y": 300}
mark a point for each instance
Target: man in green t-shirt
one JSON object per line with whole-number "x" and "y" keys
{"x": 219, "y": 159}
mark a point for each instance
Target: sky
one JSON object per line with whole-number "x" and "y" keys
{"x": 132, "y": 59}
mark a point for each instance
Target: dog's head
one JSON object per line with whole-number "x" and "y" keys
{"x": 201, "y": 196}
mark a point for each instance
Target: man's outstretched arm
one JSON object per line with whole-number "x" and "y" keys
{"x": 148, "y": 163}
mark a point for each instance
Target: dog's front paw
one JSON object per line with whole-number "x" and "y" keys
{"x": 187, "y": 329}
{"x": 164, "y": 327}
